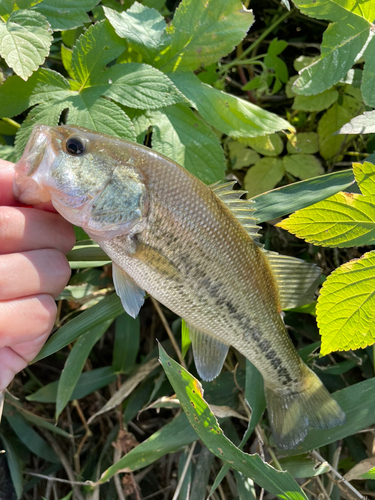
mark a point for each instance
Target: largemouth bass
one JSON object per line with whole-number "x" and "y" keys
{"x": 195, "y": 249}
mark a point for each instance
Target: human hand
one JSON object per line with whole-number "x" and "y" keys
{"x": 33, "y": 272}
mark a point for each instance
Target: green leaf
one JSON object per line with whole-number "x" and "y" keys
{"x": 329, "y": 124}
{"x": 189, "y": 392}
{"x": 6, "y": 7}
{"x": 169, "y": 439}
{"x": 126, "y": 346}
{"x": 227, "y": 113}
{"x": 303, "y": 166}
{"x": 368, "y": 87}
{"x": 75, "y": 363}
{"x": 13, "y": 464}
{"x": 43, "y": 114}
{"x": 303, "y": 142}
{"x": 302, "y": 466}
{"x": 264, "y": 175}
{"x": 185, "y": 339}
{"x": 343, "y": 41}
{"x": 364, "y": 174}
{"x": 95, "y": 48}
{"x": 269, "y": 145}
{"x": 66, "y": 14}
{"x": 240, "y": 155}
{"x": 363, "y": 124}
{"x": 202, "y": 32}
{"x": 44, "y": 85}
{"x": 358, "y": 404}
{"x": 88, "y": 382}
{"x": 185, "y": 138}
{"x": 7, "y": 153}
{"x": 370, "y": 474}
{"x": 346, "y": 306}
{"x": 107, "y": 309}
{"x": 139, "y": 86}
{"x": 30, "y": 438}
{"x": 317, "y": 102}
{"x": 142, "y": 27}
{"x": 87, "y": 254}
{"x": 343, "y": 220}
{"x": 25, "y": 40}
{"x": 101, "y": 115}
{"x": 287, "y": 199}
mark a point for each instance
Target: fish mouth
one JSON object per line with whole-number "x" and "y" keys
{"x": 28, "y": 187}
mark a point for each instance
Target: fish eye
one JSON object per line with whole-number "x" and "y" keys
{"x": 75, "y": 146}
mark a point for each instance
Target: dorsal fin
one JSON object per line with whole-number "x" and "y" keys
{"x": 243, "y": 210}
{"x": 296, "y": 279}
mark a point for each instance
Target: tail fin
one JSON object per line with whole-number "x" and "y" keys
{"x": 291, "y": 413}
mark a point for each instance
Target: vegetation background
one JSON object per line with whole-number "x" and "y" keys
{"x": 216, "y": 88}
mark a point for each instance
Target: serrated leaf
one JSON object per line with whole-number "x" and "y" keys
{"x": 75, "y": 363}
{"x": 142, "y": 27}
{"x": 65, "y": 14}
{"x": 329, "y": 124}
{"x": 189, "y": 392}
{"x": 101, "y": 115}
{"x": 287, "y": 199}
{"x": 95, "y": 48}
{"x": 363, "y": 124}
{"x": 44, "y": 85}
{"x": 346, "y": 306}
{"x": 317, "y": 102}
{"x": 303, "y": 142}
{"x": 227, "y": 113}
{"x": 43, "y": 114}
{"x": 364, "y": 174}
{"x": 263, "y": 176}
{"x": 343, "y": 42}
{"x": 25, "y": 40}
{"x": 343, "y": 220}
{"x": 303, "y": 166}
{"x": 139, "y": 86}
{"x": 204, "y": 31}
{"x": 185, "y": 138}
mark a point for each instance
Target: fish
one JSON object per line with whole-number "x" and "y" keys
{"x": 196, "y": 249}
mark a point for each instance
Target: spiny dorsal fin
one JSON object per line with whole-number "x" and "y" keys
{"x": 209, "y": 353}
{"x": 296, "y": 279}
{"x": 243, "y": 210}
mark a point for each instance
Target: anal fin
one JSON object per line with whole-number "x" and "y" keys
{"x": 209, "y": 354}
{"x": 132, "y": 297}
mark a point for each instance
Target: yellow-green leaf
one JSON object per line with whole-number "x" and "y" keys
{"x": 329, "y": 124}
{"x": 346, "y": 306}
{"x": 263, "y": 176}
{"x": 343, "y": 220}
{"x": 364, "y": 174}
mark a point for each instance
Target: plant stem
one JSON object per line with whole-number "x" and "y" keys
{"x": 11, "y": 122}
{"x": 261, "y": 37}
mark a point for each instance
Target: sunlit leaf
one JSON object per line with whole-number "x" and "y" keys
{"x": 364, "y": 174}
{"x": 346, "y": 306}
{"x": 25, "y": 40}
{"x": 203, "y": 32}
{"x": 363, "y": 124}
{"x": 66, "y": 14}
{"x": 227, "y": 113}
{"x": 343, "y": 220}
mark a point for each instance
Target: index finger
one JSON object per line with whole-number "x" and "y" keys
{"x": 7, "y": 198}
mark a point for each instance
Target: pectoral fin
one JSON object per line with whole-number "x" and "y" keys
{"x": 297, "y": 280}
{"x": 209, "y": 354}
{"x": 132, "y": 297}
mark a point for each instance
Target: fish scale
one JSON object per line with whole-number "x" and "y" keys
{"x": 170, "y": 235}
